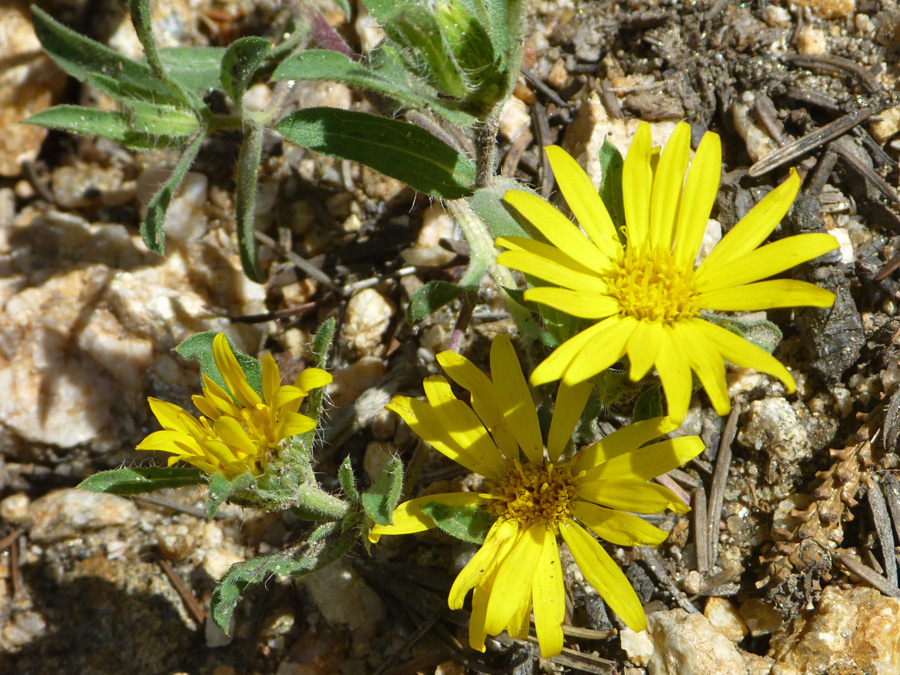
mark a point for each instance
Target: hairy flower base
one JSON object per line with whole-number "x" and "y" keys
{"x": 238, "y": 430}
{"x": 647, "y": 297}
{"x": 538, "y": 496}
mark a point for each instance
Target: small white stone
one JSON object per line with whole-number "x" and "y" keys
{"x": 217, "y": 562}
{"x": 811, "y": 40}
{"x": 688, "y": 644}
{"x": 777, "y": 16}
{"x": 14, "y": 509}
{"x": 367, "y": 319}
{"x": 63, "y": 514}
{"x": 723, "y": 615}
{"x": 638, "y": 646}
{"x": 761, "y": 619}
{"x": 514, "y": 119}
{"x": 427, "y": 251}
{"x": 345, "y": 599}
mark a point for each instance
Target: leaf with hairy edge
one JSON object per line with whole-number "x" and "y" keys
{"x": 245, "y": 200}
{"x": 197, "y": 68}
{"x": 501, "y": 219}
{"x": 324, "y": 64}
{"x": 152, "y": 231}
{"x": 429, "y": 298}
{"x": 86, "y": 121}
{"x": 397, "y": 149}
{"x": 220, "y": 489}
{"x": 242, "y": 58}
{"x": 379, "y": 502}
{"x": 136, "y": 480}
{"x": 348, "y": 480}
{"x": 304, "y": 560}
{"x": 648, "y": 405}
{"x": 199, "y": 346}
{"x": 468, "y": 523}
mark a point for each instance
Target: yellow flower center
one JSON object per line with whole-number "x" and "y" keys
{"x": 530, "y": 495}
{"x": 651, "y": 286}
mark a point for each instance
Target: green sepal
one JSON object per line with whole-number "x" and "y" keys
{"x": 328, "y": 547}
{"x": 397, "y": 149}
{"x": 348, "y": 480}
{"x": 136, "y": 480}
{"x": 199, "y": 347}
{"x": 239, "y": 65}
{"x": 221, "y": 488}
{"x": 468, "y": 523}
{"x": 648, "y": 405}
{"x": 431, "y": 297}
{"x": 611, "y": 165}
{"x": 381, "y": 500}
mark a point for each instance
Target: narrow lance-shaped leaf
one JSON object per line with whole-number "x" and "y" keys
{"x": 136, "y": 480}
{"x": 380, "y": 501}
{"x": 86, "y": 121}
{"x": 152, "y": 230}
{"x": 245, "y": 200}
{"x": 396, "y": 149}
{"x": 347, "y": 480}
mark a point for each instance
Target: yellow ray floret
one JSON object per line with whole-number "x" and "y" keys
{"x": 537, "y": 495}
{"x": 646, "y": 295}
{"x": 239, "y": 429}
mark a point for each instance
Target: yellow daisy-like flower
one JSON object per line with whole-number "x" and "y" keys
{"x": 238, "y": 428}
{"x": 537, "y": 495}
{"x": 647, "y": 296}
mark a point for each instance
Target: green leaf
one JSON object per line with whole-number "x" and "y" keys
{"x": 245, "y": 200}
{"x": 291, "y": 563}
{"x": 135, "y": 480}
{"x": 500, "y": 217}
{"x": 379, "y": 502}
{"x": 431, "y": 297}
{"x": 648, "y": 405}
{"x": 348, "y": 480}
{"x": 199, "y": 347}
{"x": 152, "y": 231}
{"x": 196, "y": 68}
{"x": 242, "y": 59}
{"x": 86, "y": 121}
{"x": 220, "y": 489}
{"x": 153, "y": 120}
{"x": 322, "y": 342}
{"x": 760, "y": 332}
{"x": 324, "y": 64}
{"x": 611, "y": 185}
{"x": 468, "y": 523}
{"x": 397, "y": 149}
{"x": 83, "y": 59}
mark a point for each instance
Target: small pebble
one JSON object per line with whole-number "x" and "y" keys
{"x": 811, "y": 40}
{"x": 14, "y": 509}
{"x": 638, "y": 646}
{"x": 760, "y": 618}
{"x": 724, "y": 616}
{"x": 367, "y": 318}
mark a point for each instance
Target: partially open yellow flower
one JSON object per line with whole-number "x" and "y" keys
{"x": 238, "y": 429}
{"x": 646, "y": 296}
{"x": 537, "y": 495}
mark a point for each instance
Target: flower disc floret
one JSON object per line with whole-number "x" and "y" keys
{"x": 537, "y": 496}
{"x": 646, "y": 297}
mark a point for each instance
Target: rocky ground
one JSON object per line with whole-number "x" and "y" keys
{"x": 787, "y": 563}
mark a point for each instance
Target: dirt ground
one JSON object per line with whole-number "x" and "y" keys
{"x": 796, "y": 503}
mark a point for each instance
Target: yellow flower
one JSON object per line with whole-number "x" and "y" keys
{"x": 537, "y": 495}
{"x": 647, "y": 297}
{"x": 237, "y": 430}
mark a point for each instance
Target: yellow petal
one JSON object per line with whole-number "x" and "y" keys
{"x": 643, "y": 348}
{"x": 285, "y": 395}
{"x": 467, "y": 375}
{"x": 409, "y": 518}
{"x": 175, "y": 442}
{"x": 583, "y": 304}
{"x": 753, "y": 228}
{"x": 480, "y": 597}
{"x": 559, "y": 230}
{"x": 599, "y": 354}
{"x": 742, "y": 353}
{"x": 764, "y": 262}
{"x": 570, "y": 402}
{"x": 514, "y": 399}
{"x": 554, "y": 366}
{"x": 604, "y": 575}
{"x": 618, "y": 527}
{"x": 648, "y": 462}
{"x": 312, "y": 378}
{"x": 587, "y": 207}
{"x": 461, "y": 423}
{"x": 766, "y": 295}
{"x": 205, "y": 406}
{"x": 674, "y": 372}
{"x": 520, "y": 622}
{"x": 293, "y": 424}
{"x": 698, "y": 198}
{"x": 231, "y": 372}
{"x": 637, "y": 178}
{"x": 499, "y": 539}
{"x": 551, "y": 271}
{"x": 636, "y": 496}
{"x": 667, "y": 183}
{"x": 271, "y": 378}
{"x": 514, "y": 577}
{"x": 621, "y": 441}
{"x": 220, "y": 398}
{"x": 706, "y": 361}
{"x": 544, "y": 250}
{"x": 234, "y": 436}
{"x": 549, "y": 598}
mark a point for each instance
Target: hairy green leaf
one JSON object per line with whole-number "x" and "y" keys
{"x": 431, "y": 297}
{"x": 648, "y": 405}
{"x": 611, "y": 185}
{"x": 245, "y": 200}
{"x": 348, "y": 480}
{"x": 157, "y": 120}
{"x": 242, "y": 59}
{"x": 135, "y": 480}
{"x": 220, "y": 489}
{"x": 381, "y": 500}
{"x": 396, "y": 149}
{"x": 196, "y": 68}
{"x": 502, "y": 219}
{"x": 468, "y": 523}
{"x": 199, "y": 346}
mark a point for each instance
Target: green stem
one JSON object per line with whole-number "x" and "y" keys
{"x": 224, "y": 123}
{"x": 140, "y": 17}
{"x": 486, "y": 148}
{"x": 320, "y": 505}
